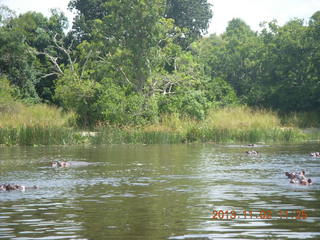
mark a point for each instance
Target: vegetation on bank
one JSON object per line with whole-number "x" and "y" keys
{"x": 40, "y": 124}
{"x": 18, "y": 114}
{"x": 50, "y": 126}
{"x": 142, "y": 72}
{"x": 232, "y": 124}
{"x": 39, "y": 135}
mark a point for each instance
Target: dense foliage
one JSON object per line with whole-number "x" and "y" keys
{"x": 129, "y": 62}
{"x": 277, "y": 68}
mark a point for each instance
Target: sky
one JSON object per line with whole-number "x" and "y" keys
{"x": 253, "y": 12}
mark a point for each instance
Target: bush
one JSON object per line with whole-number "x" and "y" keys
{"x": 122, "y": 106}
{"x": 220, "y": 93}
{"x": 7, "y": 103}
{"x": 36, "y": 115}
{"x": 301, "y": 119}
{"x": 80, "y": 96}
{"x": 185, "y": 103}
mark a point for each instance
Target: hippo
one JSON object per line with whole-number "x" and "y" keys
{"x": 298, "y": 178}
{"x": 315, "y": 154}
{"x": 252, "y": 152}
{"x": 291, "y": 175}
{"x": 13, "y": 187}
{"x": 60, "y": 164}
{"x": 306, "y": 182}
{"x": 252, "y": 145}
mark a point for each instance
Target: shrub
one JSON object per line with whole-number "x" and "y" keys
{"x": 242, "y": 117}
{"x": 123, "y": 106}
{"x": 80, "y": 96}
{"x": 185, "y": 103}
{"x": 36, "y": 115}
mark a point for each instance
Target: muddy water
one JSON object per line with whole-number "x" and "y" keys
{"x": 160, "y": 192}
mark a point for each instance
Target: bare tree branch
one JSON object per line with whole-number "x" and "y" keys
{"x": 49, "y": 74}
{"x": 125, "y": 76}
{"x": 66, "y": 51}
{"x": 53, "y": 60}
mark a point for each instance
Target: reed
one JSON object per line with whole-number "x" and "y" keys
{"x": 125, "y": 136}
{"x": 301, "y": 119}
{"x": 35, "y": 115}
{"x": 39, "y": 135}
{"x": 115, "y": 135}
{"x": 242, "y": 117}
{"x": 40, "y": 124}
{"x": 239, "y": 124}
{"x": 44, "y": 125}
{"x": 239, "y": 135}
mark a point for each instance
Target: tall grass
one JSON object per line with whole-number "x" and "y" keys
{"x": 112, "y": 135}
{"x": 238, "y": 124}
{"x": 37, "y": 125}
{"x": 39, "y": 135}
{"x": 198, "y": 134}
{"x": 45, "y": 125}
{"x": 301, "y": 119}
{"x": 242, "y": 117}
{"x": 35, "y": 115}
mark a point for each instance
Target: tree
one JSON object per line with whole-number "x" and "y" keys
{"x": 191, "y": 15}
{"x": 240, "y": 59}
{"x": 23, "y": 40}
{"x": 6, "y": 95}
{"x": 234, "y": 57}
{"x": 277, "y": 68}
{"x": 87, "y": 12}
{"x": 128, "y": 33}
{"x": 79, "y": 95}
{"x": 290, "y": 67}
{"x": 313, "y": 35}
{"x": 18, "y": 62}
{"x": 5, "y": 15}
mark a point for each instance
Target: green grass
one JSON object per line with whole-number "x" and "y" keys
{"x": 301, "y": 119}
{"x": 196, "y": 134}
{"x": 238, "y": 124}
{"x": 39, "y": 135}
{"x": 45, "y": 125}
{"x": 113, "y": 135}
{"x": 242, "y": 117}
{"x": 18, "y": 115}
{"x": 40, "y": 124}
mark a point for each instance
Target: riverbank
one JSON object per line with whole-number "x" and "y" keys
{"x": 37, "y": 135}
{"x": 44, "y": 125}
{"x": 197, "y": 134}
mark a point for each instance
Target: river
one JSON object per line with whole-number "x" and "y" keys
{"x": 187, "y": 191}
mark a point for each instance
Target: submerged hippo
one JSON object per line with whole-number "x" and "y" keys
{"x": 60, "y": 164}
{"x": 315, "y": 154}
{"x": 291, "y": 175}
{"x": 252, "y": 145}
{"x": 301, "y": 181}
{"x": 294, "y": 175}
{"x": 252, "y": 152}
{"x": 298, "y": 178}
{"x": 13, "y": 187}
{"x": 306, "y": 182}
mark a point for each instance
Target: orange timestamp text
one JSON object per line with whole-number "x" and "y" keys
{"x": 259, "y": 214}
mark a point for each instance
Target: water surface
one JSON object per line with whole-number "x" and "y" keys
{"x": 159, "y": 192}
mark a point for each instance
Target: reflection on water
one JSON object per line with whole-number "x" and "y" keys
{"x": 158, "y": 192}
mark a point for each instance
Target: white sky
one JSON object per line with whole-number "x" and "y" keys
{"x": 252, "y": 12}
